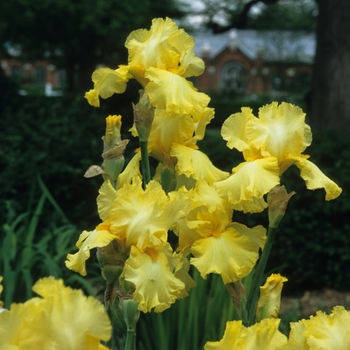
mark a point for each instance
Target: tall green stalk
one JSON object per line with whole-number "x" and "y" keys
{"x": 146, "y": 171}
{"x": 253, "y": 294}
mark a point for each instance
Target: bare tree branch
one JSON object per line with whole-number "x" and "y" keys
{"x": 241, "y": 21}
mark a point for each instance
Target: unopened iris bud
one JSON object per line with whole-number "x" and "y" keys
{"x": 113, "y": 148}
{"x": 238, "y": 296}
{"x": 270, "y": 297}
{"x": 112, "y": 259}
{"x": 277, "y": 201}
{"x": 131, "y": 313}
{"x": 143, "y": 116}
{"x": 112, "y": 135}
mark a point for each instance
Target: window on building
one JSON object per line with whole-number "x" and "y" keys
{"x": 61, "y": 78}
{"x": 39, "y": 75}
{"x": 233, "y": 78}
{"x": 16, "y": 73}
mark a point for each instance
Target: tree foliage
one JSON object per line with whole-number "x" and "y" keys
{"x": 222, "y": 15}
{"x": 77, "y": 35}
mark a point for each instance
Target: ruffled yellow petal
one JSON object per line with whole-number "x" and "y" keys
{"x": 280, "y": 131}
{"x": 107, "y": 82}
{"x": 174, "y": 93}
{"x": 255, "y": 205}
{"x": 202, "y": 120}
{"x": 150, "y": 48}
{"x": 93, "y": 97}
{"x": 257, "y": 234}
{"x": 167, "y": 129}
{"x": 138, "y": 215}
{"x": 156, "y": 286}
{"x": 100, "y": 237}
{"x": 63, "y": 319}
{"x": 16, "y": 330}
{"x": 105, "y": 199}
{"x": 131, "y": 171}
{"x": 231, "y": 337}
{"x": 314, "y": 178}
{"x": 297, "y": 340}
{"x": 229, "y": 254}
{"x": 181, "y": 272}
{"x": 72, "y": 320}
{"x": 329, "y": 331}
{"x": 249, "y": 180}
{"x": 234, "y": 129}
{"x": 194, "y": 163}
{"x": 261, "y": 336}
{"x": 164, "y": 46}
{"x": 270, "y": 297}
{"x": 206, "y": 195}
{"x": 265, "y": 336}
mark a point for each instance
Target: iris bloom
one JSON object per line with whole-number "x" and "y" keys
{"x": 138, "y": 221}
{"x": 270, "y": 297}
{"x": 217, "y": 244}
{"x": 173, "y": 142}
{"x": 62, "y": 318}
{"x": 270, "y": 144}
{"x": 160, "y": 59}
{"x": 263, "y": 336}
{"x": 321, "y": 331}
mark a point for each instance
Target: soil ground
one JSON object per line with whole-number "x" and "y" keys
{"x": 313, "y": 301}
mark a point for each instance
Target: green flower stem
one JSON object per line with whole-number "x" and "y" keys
{"x": 146, "y": 172}
{"x": 130, "y": 339}
{"x": 253, "y": 296}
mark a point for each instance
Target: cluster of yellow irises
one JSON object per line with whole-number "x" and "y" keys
{"x": 189, "y": 196}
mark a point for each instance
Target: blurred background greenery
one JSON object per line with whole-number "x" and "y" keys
{"x": 47, "y": 143}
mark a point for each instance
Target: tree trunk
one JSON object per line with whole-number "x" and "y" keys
{"x": 330, "y": 103}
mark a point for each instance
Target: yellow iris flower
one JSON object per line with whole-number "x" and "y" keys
{"x": 270, "y": 144}
{"x": 62, "y": 319}
{"x": 138, "y": 221}
{"x": 263, "y": 336}
{"x": 321, "y": 331}
{"x": 218, "y": 245}
{"x": 160, "y": 59}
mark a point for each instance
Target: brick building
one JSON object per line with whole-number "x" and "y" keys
{"x": 40, "y": 73}
{"x": 249, "y": 61}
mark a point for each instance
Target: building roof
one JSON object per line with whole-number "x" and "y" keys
{"x": 273, "y": 46}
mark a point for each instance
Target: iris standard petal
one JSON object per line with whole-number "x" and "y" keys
{"x": 174, "y": 93}
{"x": 233, "y": 129}
{"x": 280, "y": 131}
{"x": 105, "y": 199}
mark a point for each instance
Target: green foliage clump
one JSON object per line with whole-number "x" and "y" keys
{"x": 32, "y": 247}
